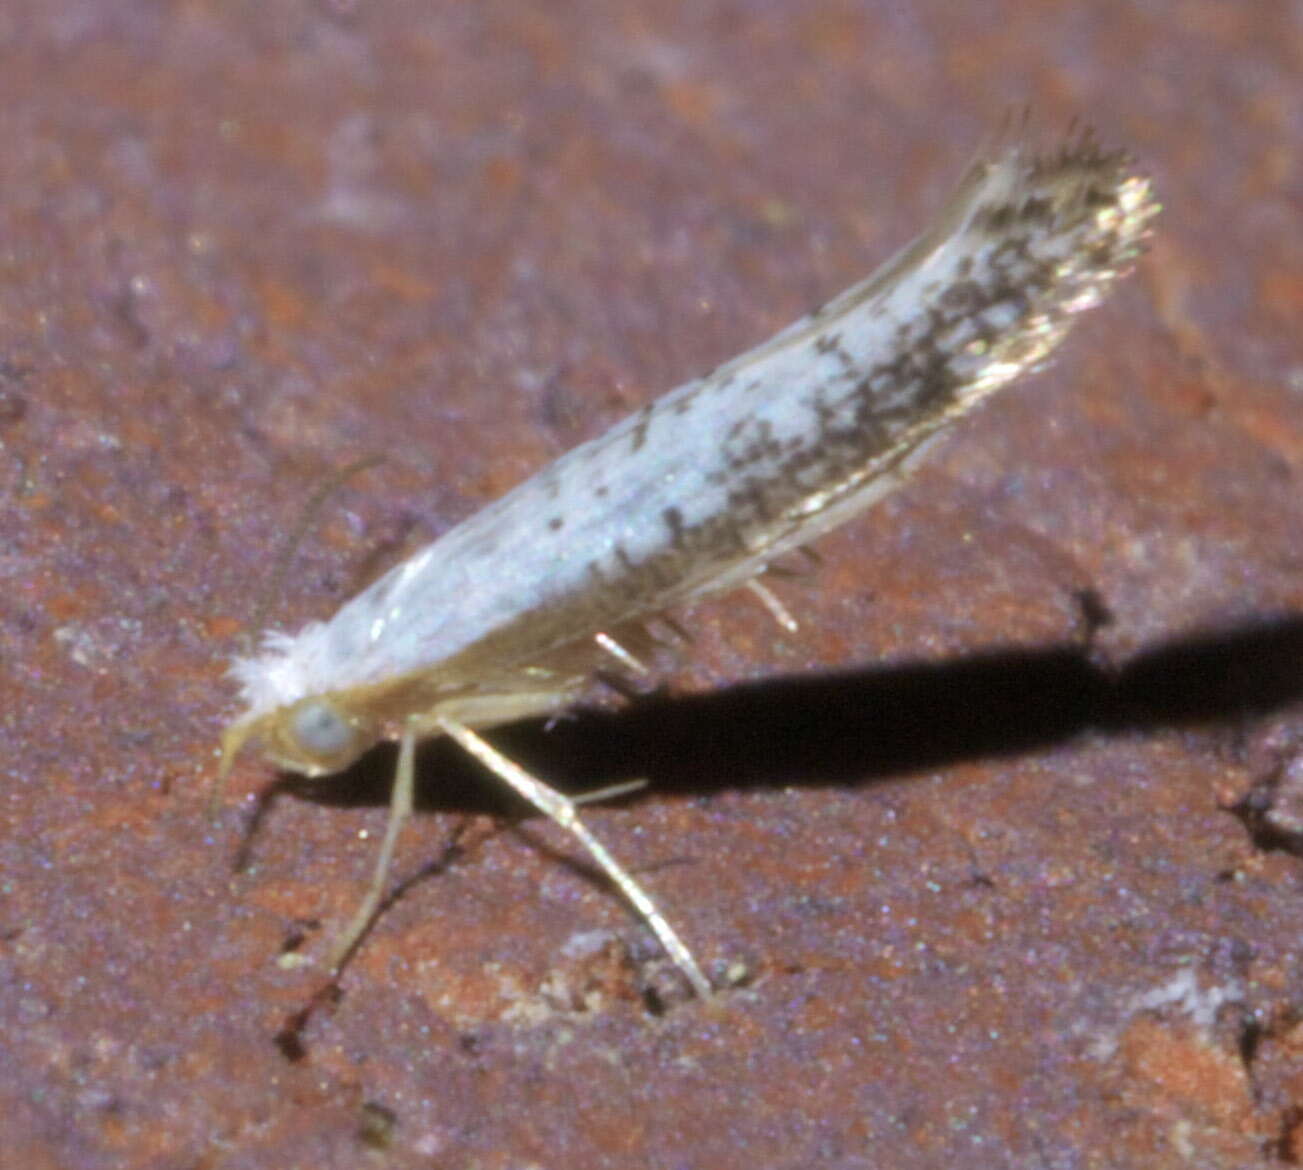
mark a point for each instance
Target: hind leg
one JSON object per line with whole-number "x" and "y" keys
{"x": 562, "y": 809}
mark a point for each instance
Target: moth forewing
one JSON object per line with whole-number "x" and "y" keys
{"x": 509, "y": 613}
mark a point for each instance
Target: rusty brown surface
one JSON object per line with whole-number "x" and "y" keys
{"x": 1012, "y": 883}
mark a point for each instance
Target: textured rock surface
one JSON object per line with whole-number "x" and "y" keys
{"x": 1003, "y": 847}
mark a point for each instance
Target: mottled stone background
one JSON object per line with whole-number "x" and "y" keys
{"x": 1004, "y": 847}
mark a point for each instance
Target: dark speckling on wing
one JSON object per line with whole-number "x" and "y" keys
{"x": 699, "y": 490}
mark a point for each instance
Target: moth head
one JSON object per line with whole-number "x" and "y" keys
{"x": 316, "y": 736}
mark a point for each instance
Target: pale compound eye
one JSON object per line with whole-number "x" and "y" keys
{"x": 321, "y": 730}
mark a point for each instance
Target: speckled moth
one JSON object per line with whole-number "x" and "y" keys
{"x": 510, "y": 613}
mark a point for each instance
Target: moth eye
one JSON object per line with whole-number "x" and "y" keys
{"x": 320, "y": 729}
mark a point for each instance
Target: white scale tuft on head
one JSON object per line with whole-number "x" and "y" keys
{"x": 289, "y": 668}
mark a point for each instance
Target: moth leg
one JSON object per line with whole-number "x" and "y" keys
{"x": 812, "y": 562}
{"x": 402, "y": 798}
{"x": 679, "y": 634}
{"x": 778, "y": 611}
{"x": 609, "y": 792}
{"x": 400, "y": 808}
{"x": 621, "y": 654}
{"x": 562, "y": 810}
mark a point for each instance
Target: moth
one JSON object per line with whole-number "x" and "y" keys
{"x": 512, "y": 613}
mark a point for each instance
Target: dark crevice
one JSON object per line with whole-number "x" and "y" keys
{"x": 290, "y": 1040}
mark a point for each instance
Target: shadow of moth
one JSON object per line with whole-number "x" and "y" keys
{"x": 509, "y": 614}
